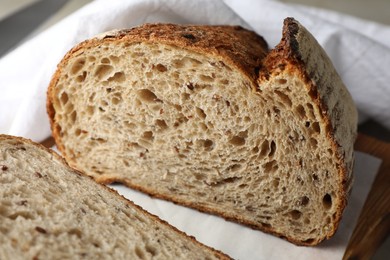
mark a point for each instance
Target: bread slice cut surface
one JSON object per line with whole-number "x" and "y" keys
{"x": 210, "y": 118}
{"x": 50, "y": 211}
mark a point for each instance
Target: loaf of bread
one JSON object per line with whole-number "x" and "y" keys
{"x": 50, "y": 211}
{"x": 210, "y": 118}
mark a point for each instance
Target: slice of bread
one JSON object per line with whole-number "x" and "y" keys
{"x": 48, "y": 210}
{"x": 208, "y": 117}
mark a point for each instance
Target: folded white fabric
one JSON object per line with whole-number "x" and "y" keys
{"x": 359, "y": 49}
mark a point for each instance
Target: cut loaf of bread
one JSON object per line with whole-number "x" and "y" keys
{"x": 50, "y": 211}
{"x": 208, "y": 117}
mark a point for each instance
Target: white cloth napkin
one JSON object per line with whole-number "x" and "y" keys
{"x": 359, "y": 49}
{"x": 244, "y": 243}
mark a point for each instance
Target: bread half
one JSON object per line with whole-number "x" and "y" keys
{"x": 210, "y": 118}
{"x": 50, "y": 211}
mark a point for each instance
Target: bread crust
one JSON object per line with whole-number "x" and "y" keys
{"x": 55, "y": 156}
{"x": 248, "y": 52}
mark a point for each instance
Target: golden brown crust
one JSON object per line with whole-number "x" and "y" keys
{"x": 21, "y": 141}
{"x": 242, "y": 48}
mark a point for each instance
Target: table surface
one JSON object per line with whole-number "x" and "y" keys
{"x": 375, "y": 10}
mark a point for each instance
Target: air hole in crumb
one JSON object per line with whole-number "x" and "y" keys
{"x": 242, "y": 186}
{"x": 203, "y": 126}
{"x": 271, "y": 166}
{"x": 177, "y": 64}
{"x": 90, "y": 110}
{"x": 327, "y": 201}
{"x": 178, "y": 107}
{"x": 139, "y": 252}
{"x": 237, "y": 140}
{"x": 316, "y": 127}
{"x": 82, "y": 77}
{"x": 160, "y": 124}
{"x": 307, "y": 124}
{"x": 264, "y": 148}
{"x": 282, "y": 81}
{"x": 92, "y": 97}
{"x": 191, "y": 61}
{"x": 64, "y": 98}
{"x": 117, "y": 77}
{"x": 224, "y": 81}
{"x": 76, "y": 232}
{"x": 272, "y": 149}
{"x": 105, "y": 61}
{"x": 303, "y": 201}
{"x": 301, "y": 111}
{"x": 149, "y": 74}
{"x": 206, "y": 78}
{"x": 147, "y": 96}
{"x": 309, "y": 240}
{"x": 234, "y": 167}
{"x": 59, "y": 130}
{"x": 266, "y": 225}
{"x": 116, "y": 100}
{"x": 103, "y": 71}
{"x": 114, "y": 59}
{"x": 276, "y": 110}
{"x": 73, "y": 116}
{"x": 207, "y": 144}
{"x": 77, "y": 66}
{"x": 160, "y": 68}
{"x": 243, "y": 134}
{"x": 275, "y": 182}
{"x": 151, "y": 249}
{"x": 311, "y": 110}
{"x": 295, "y": 214}
{"x": 185, "y": 96}
{"x": 200, "y": 113}
{"x": 148, "y": 135}
{"x": 284, "y": 98}
{"x": 199, "y": 176}
{"x": 313, "y": 142}
{"x": 104, "y": 103}
{"x": 249, "y": 195}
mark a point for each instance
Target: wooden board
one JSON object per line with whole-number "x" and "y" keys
{"x": 374, "y": 221}
{"x": 373, "y": 225}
